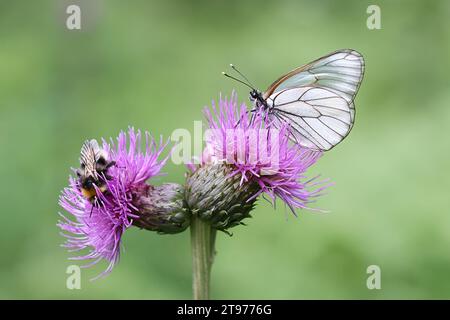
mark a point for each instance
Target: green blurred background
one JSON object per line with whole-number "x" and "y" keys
{"x": 154, "y": 65}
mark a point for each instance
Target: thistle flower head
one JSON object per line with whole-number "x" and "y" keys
{"x": 99, "y": 226}
{"x": 261, "y": 157}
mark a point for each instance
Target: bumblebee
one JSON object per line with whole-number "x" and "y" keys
{"x": 93, "y": 171}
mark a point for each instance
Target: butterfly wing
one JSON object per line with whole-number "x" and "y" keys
{"x": 339, "y": 77}
{"x": 319, "y": 118}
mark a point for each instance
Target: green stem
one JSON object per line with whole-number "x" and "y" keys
{"x": 202, "y": 242}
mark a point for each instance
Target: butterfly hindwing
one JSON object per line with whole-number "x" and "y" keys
{"x": 318, "y": 117}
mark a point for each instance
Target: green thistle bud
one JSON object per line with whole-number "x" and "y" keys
{"x": 161, "y": 208}
{"x": 218, "y": 197}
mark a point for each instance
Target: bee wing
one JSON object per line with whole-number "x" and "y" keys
{"x": 341, "y": 72}
{"x": 88, "y": 157}
{"x": 319, "y": 118}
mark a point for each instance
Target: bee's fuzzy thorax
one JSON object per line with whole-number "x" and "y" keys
{"x": 88, "y": 193}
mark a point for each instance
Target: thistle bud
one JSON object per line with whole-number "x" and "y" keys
{"x": 216, "y": 195}
{"x": 161, "y": 208}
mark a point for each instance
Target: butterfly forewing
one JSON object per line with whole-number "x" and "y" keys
{"x": 316, "y": 100}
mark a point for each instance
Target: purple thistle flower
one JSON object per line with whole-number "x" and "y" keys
{"x": 99, "y": 227}
{"x": 260, "y": 154}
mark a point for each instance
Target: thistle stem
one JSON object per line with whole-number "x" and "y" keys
{"x": 202, "y": 242}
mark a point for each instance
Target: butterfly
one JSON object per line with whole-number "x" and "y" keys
{"x": 315, "y": 100}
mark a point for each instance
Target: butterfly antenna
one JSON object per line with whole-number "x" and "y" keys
{"x": 242, "y": 75}
{"x": 238, "y": 80}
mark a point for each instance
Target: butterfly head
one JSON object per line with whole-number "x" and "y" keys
{"x": 254, "y": 95}
{"x": 257, "y": 97}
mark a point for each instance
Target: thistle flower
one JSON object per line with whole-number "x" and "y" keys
{"x": 245, "y": 157}
{"x": 128, "y": 201}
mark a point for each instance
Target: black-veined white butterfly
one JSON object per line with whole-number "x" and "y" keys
{"x": 316, "y": 100}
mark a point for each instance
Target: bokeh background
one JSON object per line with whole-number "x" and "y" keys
{"x": 154, "y": 65}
